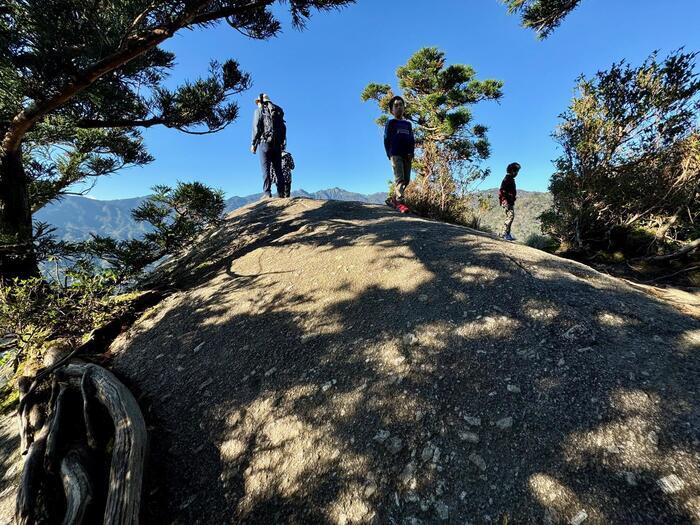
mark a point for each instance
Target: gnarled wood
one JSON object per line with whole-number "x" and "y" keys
{"x": 130, "y": 441}
{"x": 77, "y": 487}
{"x": 26, "y": 508}
{"x": 54, "y": 426}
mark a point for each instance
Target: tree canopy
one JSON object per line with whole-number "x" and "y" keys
{"x": 631, "y": 157}
{"x": 450, "y": 145}
{"x": 543, "y": 16}
{"x": 79, "y": 80}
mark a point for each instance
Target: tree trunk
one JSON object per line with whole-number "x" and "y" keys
{"x": 17, "y": 257}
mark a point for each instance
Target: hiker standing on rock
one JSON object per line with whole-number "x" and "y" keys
{"x": 399, "y": 144}
{"x": 506, "y": 197}
{"x": 270, "y": 135}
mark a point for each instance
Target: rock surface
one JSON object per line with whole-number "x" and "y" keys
{"x": 342, "y": 343}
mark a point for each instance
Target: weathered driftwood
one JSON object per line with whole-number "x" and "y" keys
{"x": 77, "y": 488}
{"x": 23, "y": 385}
{"x": 54, "y": 425}
{"x": 26, "y": 507}
{"x": 45, "y": 446}
{"x": 130, "y": 440}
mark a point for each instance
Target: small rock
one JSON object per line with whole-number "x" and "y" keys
{"x": 574, "y": 332}
{"x": 653, "y": 438}
{"x": 463, "y": 495}
{"x": 369, "y": 490}
{"x": 423, "y": 298}
{"x": 477, "y": 460}
{"x": 631, "y": 479}
{"x": 394, "y": 445}
{"x": 436, "y": 455}
{"x": 327, "y": 386}
{"x": 561, "y": 362}
{"x": 579, "y": 518}
{"x": 505, "y": 423}
{"x": 180, "y": 368}
{"x": 410, "y": 339}
{"x": 473, "y": 421}
{"x": 188, "y": 502}
{"x": 271, "y": 371}
{"x": 585, "y": 349}
{"x": 671, "y": 484}
{"x": 469, "y": 437}
{"x": 513, "y": 389}
{"x": 382, "y": 436}
{"x": 412, "y": 497}
{"x": 442, "y": 510}
{"x": 658, "y": 339}
{"x": 408, "y": 471}
{"x": 427, "y": 453}
{"x": 198, "y": 347}
{"x": 205, "y": 384}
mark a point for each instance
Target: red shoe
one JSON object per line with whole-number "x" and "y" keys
{"x": 402, "y": 207}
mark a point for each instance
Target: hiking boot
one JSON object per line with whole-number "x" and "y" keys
{"x": 508, "y": 237}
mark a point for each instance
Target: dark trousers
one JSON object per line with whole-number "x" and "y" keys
{"x": 271, "y": 163}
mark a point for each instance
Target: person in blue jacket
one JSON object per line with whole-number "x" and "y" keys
{"x": 399, "y": 144}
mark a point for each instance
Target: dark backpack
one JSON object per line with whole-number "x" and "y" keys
{"x": 275, "y": 129}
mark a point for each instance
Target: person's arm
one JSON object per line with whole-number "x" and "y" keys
{"x": 386, "y": 138}
{"x": 291, "y": 162}
{"x": 413, "y": 140}
{"x": 257, "y": 131}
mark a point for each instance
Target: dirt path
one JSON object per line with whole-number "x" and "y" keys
{"x": 339, "y": 363}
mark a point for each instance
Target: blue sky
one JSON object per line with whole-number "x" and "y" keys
{"x": 317, "y": 76}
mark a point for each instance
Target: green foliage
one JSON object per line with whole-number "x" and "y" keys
{"x": 542, "y": 242}
{"x": 449, "y": 144}
{"x": 175, "y": 216}
{"x": 34, "y": 310}
{"x": 631, "y": 158}
{"x": 543, "y": 16}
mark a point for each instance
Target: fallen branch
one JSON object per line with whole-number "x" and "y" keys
{"x": 688, "y": 248}
{"x": 130, "y": 441}
{"x": 36, "y": 498}
{"x": 77, "y": 488}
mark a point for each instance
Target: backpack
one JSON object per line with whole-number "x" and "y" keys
{"x": 274, "y": 127}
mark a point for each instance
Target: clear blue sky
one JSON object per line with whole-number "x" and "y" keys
{"x": 317, "y": 76}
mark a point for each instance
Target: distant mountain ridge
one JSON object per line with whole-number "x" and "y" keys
{"x": 75, "y": 217}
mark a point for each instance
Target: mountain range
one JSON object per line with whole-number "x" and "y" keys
{"x": 76, "y": 217}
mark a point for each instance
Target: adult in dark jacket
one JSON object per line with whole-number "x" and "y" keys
{"x": 507, "y": 196}
{"x": 270, "y": 143}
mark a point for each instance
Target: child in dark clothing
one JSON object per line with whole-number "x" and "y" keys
{"x": 506, "y": 197}
{"x": 287, "y": 167}
{"x": 399, "y": 144}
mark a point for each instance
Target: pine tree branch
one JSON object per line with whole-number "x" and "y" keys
{"x": 132, "y": 48}
{"x": 121, "y": 123}
{"x": 229, "y": 11}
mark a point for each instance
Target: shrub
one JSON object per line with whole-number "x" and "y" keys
{"x": 542, "y": 242}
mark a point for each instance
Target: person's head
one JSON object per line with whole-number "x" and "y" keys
{"x": 262, "y": 98}
{"x": 513, "y": 169}
{"x": 397, "y": 106}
